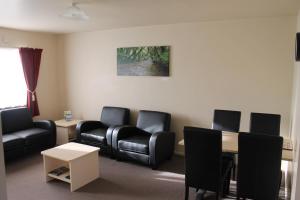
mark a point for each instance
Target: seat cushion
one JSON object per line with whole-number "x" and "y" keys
{"x": 96, "y": 135}
{"x": 11, "y": 141}
{"x": 33, "y": 136}
{"x": 136, "y": 143}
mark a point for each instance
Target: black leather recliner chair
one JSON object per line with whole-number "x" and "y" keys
{"x": 99, "y": 133}
{"x": 22, "y": 135}
{"x": 150, "y": 142}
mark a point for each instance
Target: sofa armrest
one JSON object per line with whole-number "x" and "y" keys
{"x": 83, "y": 126}
{"x": 48, "y": 125}
{"x": 109, "y": 134}
{"x": 122, "y": 132}
{"x": 161, "y": 147}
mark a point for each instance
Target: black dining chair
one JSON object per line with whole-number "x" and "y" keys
{"x": 265, "y": 123}
{"x": 259, "y": 170}
{"x": 227, "y": 120}
{"x": 205, "y": 168}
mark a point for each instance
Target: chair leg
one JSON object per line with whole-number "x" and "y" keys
{"x": 217, "y": 195}
{"x": 226, "y": 184}
{"x": 234, "y": 172}
{"x": 200, "y": 194}
{"x": 154, "y": 166}
{"x": 280, "y": 179}
{"x": 170, "y": 157}
{"x": 117, "y": 157}
{"x": 234, "y": 168}
{"x": 237, "y": 192}
{"x": 238, "y": 197}
{"x": 186, "y": 192}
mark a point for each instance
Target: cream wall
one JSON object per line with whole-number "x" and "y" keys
{"x": 242, "y": 65}
{"x": 47, "y": 88}
{"x": 296, "y": 127}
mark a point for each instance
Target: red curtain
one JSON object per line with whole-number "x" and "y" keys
{"x": 31, "y": 59}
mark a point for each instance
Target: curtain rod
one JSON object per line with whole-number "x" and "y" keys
{"x": 8, "y": 47}
{"x": 15, "y": 47}
{"x": 5, "y": 44}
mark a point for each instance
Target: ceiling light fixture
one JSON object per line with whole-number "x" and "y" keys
{"x": 75, "y": 13}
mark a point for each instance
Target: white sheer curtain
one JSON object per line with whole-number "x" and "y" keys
{"x": 13, "y": 90}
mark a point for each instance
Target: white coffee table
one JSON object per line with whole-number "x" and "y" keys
{"x": 81, "y": 160}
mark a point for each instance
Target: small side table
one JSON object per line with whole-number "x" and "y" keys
{"x": 65, "y": 131}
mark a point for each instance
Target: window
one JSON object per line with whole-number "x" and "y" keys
{"x": 13, "y": 90}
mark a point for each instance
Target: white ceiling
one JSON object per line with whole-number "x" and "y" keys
{"x": 44, "y": 15}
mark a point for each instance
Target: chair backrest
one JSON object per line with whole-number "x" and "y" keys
{"x": 16, "y": 119}
{"x": 265, "y": 123}
{"x": 259, "y": 167}
{"x": 115, "y": 116}
{"x": 203, "y": 156}
{"x": 227, "y": 120}
{"x": 153, "y": 121}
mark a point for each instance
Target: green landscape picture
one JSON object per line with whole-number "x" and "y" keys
{"x": 143, "y": 61}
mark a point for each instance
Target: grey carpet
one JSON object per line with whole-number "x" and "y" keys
{"x": 119, "y": 180}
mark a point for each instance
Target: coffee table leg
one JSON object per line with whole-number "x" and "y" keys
{"x": 84, "y": 170}
{"x": 46, "y": 170}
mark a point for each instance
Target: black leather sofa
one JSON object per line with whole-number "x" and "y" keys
{"x": 22, "y": 135}
{"x": 99, "y": 133}
{"x": 150, "y": 142}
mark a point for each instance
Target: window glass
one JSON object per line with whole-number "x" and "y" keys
{"x": 13, "y": 90}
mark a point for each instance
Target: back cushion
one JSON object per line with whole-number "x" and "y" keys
{"x": 114, "y": 116}
{"x": 153, "y": 121}
{"x": 227, "y": 120}
{"x": 265, "y": 123}
{"x": 16, "y": 119}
